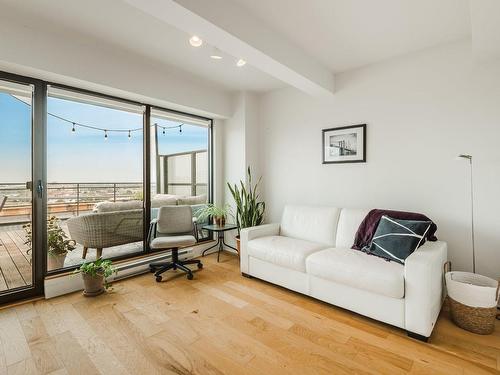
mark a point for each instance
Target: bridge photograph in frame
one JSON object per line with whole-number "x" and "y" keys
{"x": 345, "y": 144}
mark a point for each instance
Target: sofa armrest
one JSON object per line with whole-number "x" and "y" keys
{"x": 248, "y": 234}
{"x": 424, "y": 287}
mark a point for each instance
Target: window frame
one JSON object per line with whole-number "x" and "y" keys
{"x": 40, "y": 145}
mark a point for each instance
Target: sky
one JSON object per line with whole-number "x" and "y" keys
{"x": 84, "y": 155}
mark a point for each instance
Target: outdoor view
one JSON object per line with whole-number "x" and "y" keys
{"x": 15, "y": 197}
{"x": 94, "y": 177}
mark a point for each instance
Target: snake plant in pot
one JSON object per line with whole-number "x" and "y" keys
{"x": 249, "y": 209}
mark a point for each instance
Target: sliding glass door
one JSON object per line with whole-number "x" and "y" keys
{"x": 20, "y": 190}
{"x": 180, "y": 167}
{"x": 94, "y": 178}
{"x": 82, "y": 174}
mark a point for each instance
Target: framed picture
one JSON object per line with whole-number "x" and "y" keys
{"x": 344, "y": 145}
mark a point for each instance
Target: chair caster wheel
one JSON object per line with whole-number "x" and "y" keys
{"x": 190, "y": 276}
{"x": 151, "y": 269}
{"x": 200, "y": 266}
{"x": 158, "y": 279}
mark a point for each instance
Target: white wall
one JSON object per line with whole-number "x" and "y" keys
{"x": 240, "y": 139}
{"x": 421, "y": 111}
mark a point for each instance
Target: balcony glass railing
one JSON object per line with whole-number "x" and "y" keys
{"x": 70, "y": 198}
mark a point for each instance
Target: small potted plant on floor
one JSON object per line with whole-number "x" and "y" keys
{"x": 218, "y": 214}
{"x": 249, "y": 210}
{"x": 94, "y": 275}
{"x": 58, "y": 243}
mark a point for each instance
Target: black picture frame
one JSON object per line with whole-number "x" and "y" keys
{"x": 342, "y": 159}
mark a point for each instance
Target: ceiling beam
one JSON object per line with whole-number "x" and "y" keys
{"x": 232, "y": 29}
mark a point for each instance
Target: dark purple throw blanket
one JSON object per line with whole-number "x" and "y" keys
{"x": 369, "y": 225}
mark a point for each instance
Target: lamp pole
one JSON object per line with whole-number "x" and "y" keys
{"x": 469, "y": 158}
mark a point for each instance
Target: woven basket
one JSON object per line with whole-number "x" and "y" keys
{"x": 473, "y": 300}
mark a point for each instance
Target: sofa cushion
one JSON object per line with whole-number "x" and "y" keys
{"x": 160, "y": 200}
{"x": 283, "y": 251}
{"x": 117, "y": 206}
{"x": 349, "y": 221}
{"x": 310, "y": 223}
{"x": 358, "y": 270}
{"x": 189, "y": 201}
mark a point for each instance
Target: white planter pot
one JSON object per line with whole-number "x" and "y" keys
{"x": 55, "y": 262}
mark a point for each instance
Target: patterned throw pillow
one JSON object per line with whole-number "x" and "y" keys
{"x": 396, "y": 239}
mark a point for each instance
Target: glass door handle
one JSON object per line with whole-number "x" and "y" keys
{"x": 39, "y": 189}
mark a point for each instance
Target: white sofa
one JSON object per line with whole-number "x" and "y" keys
{"x": 310, "y": 252}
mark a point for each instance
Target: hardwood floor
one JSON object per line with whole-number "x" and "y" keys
{"x": 222, "y": 323}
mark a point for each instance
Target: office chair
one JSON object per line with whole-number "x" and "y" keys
{"x": 172, "y": 230}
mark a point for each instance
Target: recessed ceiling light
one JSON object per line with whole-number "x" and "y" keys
{"x": 195, "y": 41}
{"x": 216, "y": 54}
{"x": 240, "y": 63}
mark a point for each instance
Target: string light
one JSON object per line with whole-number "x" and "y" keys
{"x": 75, "y": 124}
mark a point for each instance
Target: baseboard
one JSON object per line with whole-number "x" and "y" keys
{"x": 59, "y": 285}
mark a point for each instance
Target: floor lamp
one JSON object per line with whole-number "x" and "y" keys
{"x": 469, "y": 158}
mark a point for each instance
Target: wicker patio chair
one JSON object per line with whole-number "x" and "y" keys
{"x": 101, "y": 230}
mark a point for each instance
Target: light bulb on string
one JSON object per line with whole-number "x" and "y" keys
{"x": 129, "y": 135}
{"x": 163, "y": 131}
{"x": 73, "y": 128}
{"x": 105, "y": 135}
{"x": 180, "y": 128}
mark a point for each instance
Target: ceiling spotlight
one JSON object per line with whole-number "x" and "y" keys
{"x": 216, "y": 54}
{"x": 195, "y": 41}
{"x": 240, "y": 63}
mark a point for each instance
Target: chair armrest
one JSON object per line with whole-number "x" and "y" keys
{"x": 424, "y": 287}
{"x": 195, "y": 228}
{"x": 152, "y": 230}
{"x": 248, "y": 234}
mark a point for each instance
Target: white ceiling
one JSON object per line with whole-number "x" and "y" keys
{"x": 338, "y": 35}
{"x": 345, "y": 34}
{"x": 117, "y": 23}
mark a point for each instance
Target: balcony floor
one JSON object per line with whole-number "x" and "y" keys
{"x": 15, "y": 261}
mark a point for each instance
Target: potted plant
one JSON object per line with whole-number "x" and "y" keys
{"x": 58, "y": 243}
{"x": 219, "y": 214}
{"x": 249, "y": 210}
{"x": 94, "y": 275}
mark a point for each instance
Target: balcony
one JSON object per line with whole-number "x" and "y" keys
{"x": 183, "y": 173}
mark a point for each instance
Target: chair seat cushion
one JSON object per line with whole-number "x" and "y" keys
{"x": 283, "y": 251}
{"x": 358, "y": 270}
{"x": 169, "y": 242}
